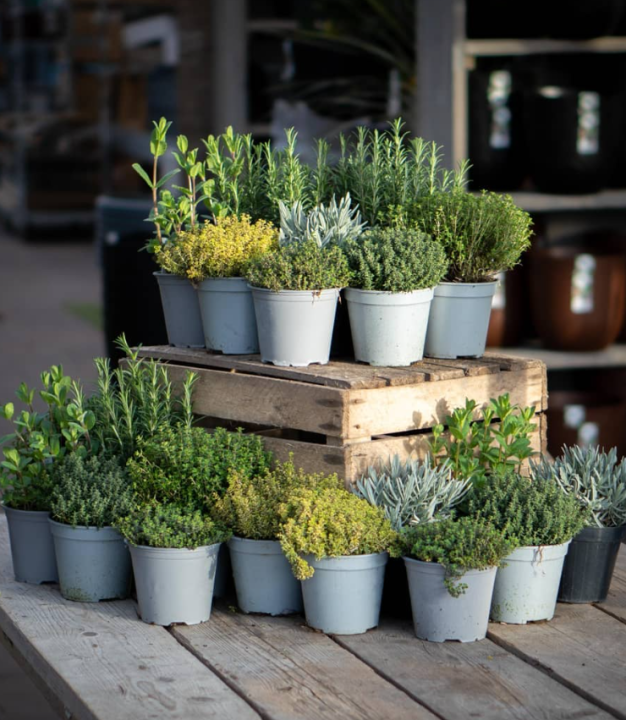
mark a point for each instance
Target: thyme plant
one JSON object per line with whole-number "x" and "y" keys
{"x": 594, "y": 477}
{"x": 412, "y": 492}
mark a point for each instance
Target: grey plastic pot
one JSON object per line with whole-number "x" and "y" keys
{"x": 228, "y": 316}
{"x": 174, "y": 585}
{"x": 526, "y": 587}
{"x": 343, "y": 597}
{"x": 32, "y": 547}
{"x": 388, "y": 329}
{"x": 295, "y": 327}
{"x": 459, "y": 320}
{"x": 589, "y": 565}
{"x": 437, "y": 615}
{"x": 94, "y": 564}
{"x": 263, "y": 578}
{"x": 181, "y": 311}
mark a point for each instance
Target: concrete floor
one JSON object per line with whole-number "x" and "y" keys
{"x": 43, "y": 288}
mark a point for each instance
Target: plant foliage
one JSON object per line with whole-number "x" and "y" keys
{"x": 395, "y": 260}
{"x": 188, "y": 466}
{"x": 477, "y": 448}
{"x": 41, "y": 438}
{"x": 136, "y": 400}
{"x": 595, "y": 478}
{"x": 215, "y": 250}
{"x": 250, "y": 506}
{"x": 458, "y": 545}
{"x": 529, "y": 512}
{"x": 412, "y": 492}
{"x": 481, "y": 234}
{"x": 94, "y": 491}
{"x": 301, "y": 266}
{"x": 169, "y": 526}
{"x": 330, "y": 522}
{"x": 326, "y": 224}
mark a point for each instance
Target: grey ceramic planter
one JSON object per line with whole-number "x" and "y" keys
{"x": 437, "y": 615}
{"x": 181, "y": 311}
{"x": 343, "y": 597}
{"x": 459, "y": 320}
{"x": 526, "y": 588}
{"x": 589, "y": 564}
{"x": 174, "y": 585}
{"x": 295, "y": 327}
{"x": 388, "y": 328}
{"x": 228, "y": 316}
{"x": 263, "y": 578}
{"x": 32, "y": 547}
{"x": 94, "y": 564}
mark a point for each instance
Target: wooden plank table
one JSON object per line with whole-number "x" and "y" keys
{"x": 100, "y": 662}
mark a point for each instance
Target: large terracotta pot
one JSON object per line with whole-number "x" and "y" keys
{"x": 586, "y": 418}
{"x": 578, "y": 296}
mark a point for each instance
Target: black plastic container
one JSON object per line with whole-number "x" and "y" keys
{"x": 589, "y": 565}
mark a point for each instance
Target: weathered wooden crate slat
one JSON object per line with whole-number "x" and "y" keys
{"x": 342, "y": 416}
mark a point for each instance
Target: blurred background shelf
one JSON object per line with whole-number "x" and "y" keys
{"x": 544, "y": 202}
{"x": 613, "y": 357}
{"x": 512, "y": 47}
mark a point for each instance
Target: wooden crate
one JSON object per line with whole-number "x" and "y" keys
{"x": 344, "y": 416}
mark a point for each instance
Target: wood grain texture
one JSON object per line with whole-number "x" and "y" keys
{"x": 581, "y": 647}
{"x": 465, "y": 680}
{"x": 290, "y": 672}
{"x": 102, "y": 662}
{"x": 615, "y": 604}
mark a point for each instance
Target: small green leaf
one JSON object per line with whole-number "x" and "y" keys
{"x": 142, "y": 173}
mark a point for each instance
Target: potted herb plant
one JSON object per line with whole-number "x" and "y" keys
{"x": 250, "y": 508}
{"x": 539, "y": 520}
{"x": 219, "y": 253}
{"x": 296, "y": 287}
{"x": 171, "y": 215}
{"x": 174, "y": 556}
{"x": 89, "y": 496}
{"x": 337, "y": 545}
{"x": 394, "y": 273}
{"x": 451, "y": 568}
{"x": 38, "y": 440}
{"x": 482, "y": 235}
{"x": 598, "y": 481}
{"x": 189, "y": 467}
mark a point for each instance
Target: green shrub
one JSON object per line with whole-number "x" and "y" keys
{"x": 39, "y": 439}
{"x": 250, "y": 506}
{"x": 477, "y": 448}
{"x": 169, "y": 526}
{"x": 93, "y": 491}
{"x": 189, "y": 466}
{"x": 395, "y": 260}
{"x": 528, "y": 512}
{"x": 301, "y": 266}
{"x": 482, "y": 234}
{"x": 458, "y": 545}
{"x": 136, "y": 400}
{"x": 329, "y": 523}
{"x": 412, "y": 492}
{"x": 595, "y": 478}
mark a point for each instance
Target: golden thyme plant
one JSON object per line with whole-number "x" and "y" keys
{"x": 331, "y": 522}
{"x": 250, "y": 506}
{"x": 221, "y": 249}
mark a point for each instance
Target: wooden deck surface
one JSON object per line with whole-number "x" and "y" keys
{"x": 100, "y": 662}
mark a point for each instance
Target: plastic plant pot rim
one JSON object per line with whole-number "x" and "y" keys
{"x": 30, "y": 515}
{"x": 348, "y": 563}
{"x": 296, "y": 295}
{"x": 86, "y": 533}
{"x": 250, "y": 546}
{"x": 183, "y": 553}
{"x": 604, "y": 534}
{"x": 466, "y": 290}
{"x": 528, "y": 553}
{"x": 386, "y": 297}
{"x": 224, "y": 284}
{"x": 434, "y": 568}
{"x": 165, "y": 278}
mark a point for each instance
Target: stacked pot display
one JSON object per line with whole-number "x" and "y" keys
{"x": 598, "y": 482}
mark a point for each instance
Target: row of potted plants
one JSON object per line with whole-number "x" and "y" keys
{"x": 270, "y": 242}
{"x": 123, "y": 479}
